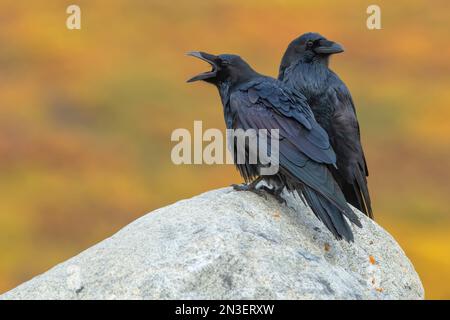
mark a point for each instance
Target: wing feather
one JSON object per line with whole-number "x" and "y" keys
{"x": 300, "y": 157}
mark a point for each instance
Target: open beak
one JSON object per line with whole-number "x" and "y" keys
{"x": 328, "y": 47}
{"x": 210, "y": 58}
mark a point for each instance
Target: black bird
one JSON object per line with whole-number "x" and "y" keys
{"x": 304, "y": 68}
{"x": 254, "y": 101}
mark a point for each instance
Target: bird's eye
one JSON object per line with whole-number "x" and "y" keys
{"x": 225, "y": 63}
{"x": 309, "y": 43}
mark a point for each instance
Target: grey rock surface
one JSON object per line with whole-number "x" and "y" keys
{"x": 225, "y": 244}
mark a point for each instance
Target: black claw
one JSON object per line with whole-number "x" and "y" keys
{"x": 251, "y": 188}
{"x": 241, "y": 187}
{"x": 276, "y": 193}
{"x": 260, "y": 193}
{"x": 281, "y": 200}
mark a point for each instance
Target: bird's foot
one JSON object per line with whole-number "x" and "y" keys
{"x": 251, "y": 187}
{"x": 259, "y": 192}
{"x": 242, "y": 187}
{"x": 276, "y": 193}
{"x": 280, "y": 199}
{"x": 247, "y": 186}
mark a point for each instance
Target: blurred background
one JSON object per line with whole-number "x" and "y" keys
{"x": 86, "y": 116}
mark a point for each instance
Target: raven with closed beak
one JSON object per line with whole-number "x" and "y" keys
{"x": 254, "y": 101}
{"x": 304, "y": 68}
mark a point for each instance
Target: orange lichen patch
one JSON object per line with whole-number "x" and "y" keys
{"x": 327, "y": 247}
{"x": 379, "y": 289}
{"x": 372, "y": 260}
{"x": 276, "y": 214}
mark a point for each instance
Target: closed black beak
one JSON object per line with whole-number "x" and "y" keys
{"x": 328, "y": 47}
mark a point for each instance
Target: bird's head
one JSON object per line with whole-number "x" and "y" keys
{"x": 310, "y": 47}
{"x": 225, "y": 68}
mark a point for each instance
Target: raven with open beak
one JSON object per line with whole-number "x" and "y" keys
{"x": 254, "y": 101}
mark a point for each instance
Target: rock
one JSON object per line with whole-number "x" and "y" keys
{"x": 225, "y": 244}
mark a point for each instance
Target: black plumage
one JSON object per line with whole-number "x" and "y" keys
{"x": 304, "y": 68}
{"x": 253, "y": 101}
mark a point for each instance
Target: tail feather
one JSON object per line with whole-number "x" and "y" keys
{"x": 363, "y": 192}
{"x": 355, "y": 190}
{"x": 328, "y": 213}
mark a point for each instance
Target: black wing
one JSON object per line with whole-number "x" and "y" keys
{"x": 345, "y": 138}
{"x": 290, "y": 114}
{"x": 304, "y": 148}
